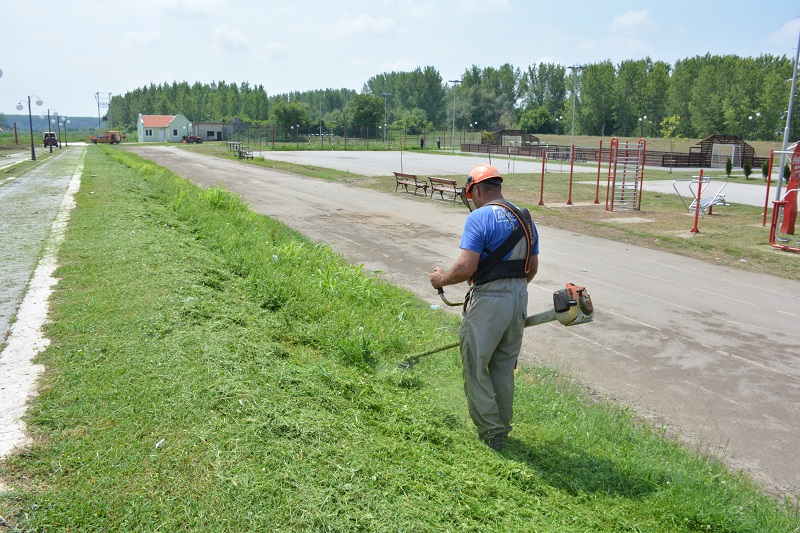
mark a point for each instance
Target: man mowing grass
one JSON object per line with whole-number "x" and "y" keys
{"x": 499, "y": 257}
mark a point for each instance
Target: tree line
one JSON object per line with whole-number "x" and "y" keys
{"x": 696, "y": 97}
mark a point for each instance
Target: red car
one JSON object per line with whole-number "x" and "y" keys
{"x": 192, "y": 139}
{"x": 49, "y": 138}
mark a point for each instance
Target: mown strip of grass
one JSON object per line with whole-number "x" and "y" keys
{"x": 213, "y": 370}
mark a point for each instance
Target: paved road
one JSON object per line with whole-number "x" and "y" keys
{"x": 436, "y": 164}
{"x": 706, "y": 351}
{"x": 34, "y": 207}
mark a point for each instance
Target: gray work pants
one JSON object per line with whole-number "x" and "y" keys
{"x": 491, "y": 336}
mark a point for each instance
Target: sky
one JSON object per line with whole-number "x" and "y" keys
{"x": 66, "y": 52}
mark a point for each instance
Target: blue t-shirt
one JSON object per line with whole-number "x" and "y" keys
{"x": 488, "y": 227}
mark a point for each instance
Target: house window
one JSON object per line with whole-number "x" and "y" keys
{"x": 148, "y": 133}
{"x": 174, "y": 133}
{"x": 210, "y": 135}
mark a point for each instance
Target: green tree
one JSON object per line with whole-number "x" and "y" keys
{"x": 288, "y": 114}
{"x": 596, "y": 101}
{"x": 537, "y": 120}
{"x": 629, "y": 90}
{"x": 670, "y": 129}
{"x": 544, "y": 86}
{"x": 748, "y": 169}
{"x": 365, "y": 110}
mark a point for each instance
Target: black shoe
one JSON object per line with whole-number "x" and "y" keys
{"x": 496, "y": 442}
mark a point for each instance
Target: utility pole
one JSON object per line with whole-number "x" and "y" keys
{"x": 453, "y": 134}
{"x": 384, "y": 115}
{"x": 788, "y": 120}
{"x": 574, "y": 69}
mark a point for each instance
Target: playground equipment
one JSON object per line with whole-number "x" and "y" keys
{"x": 625, "y": 174}
{"x": 784, "y": 211}
{"x": 698, "y": 185}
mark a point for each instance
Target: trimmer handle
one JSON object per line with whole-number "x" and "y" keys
{"x": 445, "y": 300}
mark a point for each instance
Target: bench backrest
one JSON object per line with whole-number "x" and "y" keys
{"x": 443, "y": 181}
{"x": 407, "y": 176}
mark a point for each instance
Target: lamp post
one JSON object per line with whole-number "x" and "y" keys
{"x": 297, "y": 137}
{"x": 66, "y": 121}
{"x": 453, "y": 134}
{"x": 30, "y": 121}
{"x": 58, "y": 126}
{"x": 575, "y": 69}
{"x": 750, "y": 124}
{"x": 641, "y": 125}
{"x": 384, "y": 115}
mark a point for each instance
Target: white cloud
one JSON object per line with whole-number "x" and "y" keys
{"x": 637, "y": 21}
{"x": 363, "y": 24}
{"x": 401, "y": 65}
{"x": 272, "y": 49}
{"x": 227, "y": 37}
{"x": 786, "y": 36}
{"x": 476, "y": 6}
{"x": 194, "y": 7}
{"x": 146, "y": 37}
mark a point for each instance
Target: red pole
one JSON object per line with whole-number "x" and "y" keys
{"x": 541, "y": 189}
{"x": 597, "y": 188}
{"x": 769, "y": 182}
{"x": 697, "y": 202}
{"x": 571, "y": 165}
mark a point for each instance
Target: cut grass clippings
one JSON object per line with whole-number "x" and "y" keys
{"x": 211, "y": 369}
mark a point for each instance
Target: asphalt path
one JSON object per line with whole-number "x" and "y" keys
{"x": 707, "y": 352}
{"x": 704, "y": 351}
{"x": 438, "y": 163}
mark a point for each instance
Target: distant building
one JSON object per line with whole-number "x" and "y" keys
{"x": 212, "y": 131}
{"x": 163, "y": 128}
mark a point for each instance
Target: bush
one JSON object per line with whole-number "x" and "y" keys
{"x": 728, "y": 167}
{"x": 764, "y": 169}
{"x": 748, "y": 168}
{"x": 786, "y": 172}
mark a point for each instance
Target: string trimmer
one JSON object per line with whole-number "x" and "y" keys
{"x": 571, "y": 306}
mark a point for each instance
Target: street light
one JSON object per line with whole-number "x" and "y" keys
{"x": 297, "y": 137}
{"x": 384, "y": 115}
{"x": 472, "y": 125}
{"x": 453, "y": 134}
{"x": 65, "y": 122}
{"x": 750, "y": 125}
{"x": 641, "y": 125}
{"x": 58, "y": 126}
{"x": 20, "y": 107}
{"x": 575, "y": 69}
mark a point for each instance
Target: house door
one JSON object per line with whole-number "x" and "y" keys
{"x": 161, "y": 135}
{"x": 219, "y": 135}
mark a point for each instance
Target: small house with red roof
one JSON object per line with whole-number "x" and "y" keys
{"x": 163, "y": 128}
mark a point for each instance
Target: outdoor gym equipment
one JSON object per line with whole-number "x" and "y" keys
{"x": 697, "y": 186}
{"x": 571, "y": 306}
{"x": 786, "y": 206}
{"x": 625, "y": 175}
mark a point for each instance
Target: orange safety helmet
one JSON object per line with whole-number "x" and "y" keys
{"x": 478, "y": 174}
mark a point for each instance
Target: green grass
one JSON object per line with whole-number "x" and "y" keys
{"x": 210, "y": 369}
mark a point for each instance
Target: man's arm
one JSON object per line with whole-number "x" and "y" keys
{"x": 464, "y": 267}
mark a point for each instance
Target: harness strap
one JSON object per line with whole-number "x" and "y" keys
{"x": 524, "y": 227}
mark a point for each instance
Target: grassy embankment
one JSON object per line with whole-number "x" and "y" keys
{"x": 213, "y": 370}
